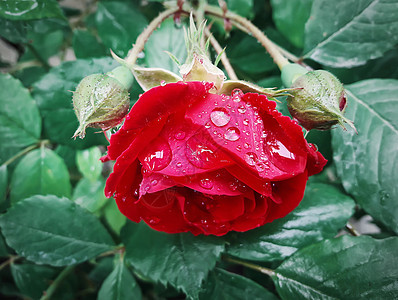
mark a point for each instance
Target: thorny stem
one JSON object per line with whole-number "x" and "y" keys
{"x": 224, "y": 58}
{"x": 54, "y": 285}
{"x": 263, "y": 270}
{"x": 351, "y": 229}
{"x": 271, "y": 48}
{"x": 144, "y": 36}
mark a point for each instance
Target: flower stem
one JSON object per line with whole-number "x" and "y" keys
{"x": 144, "y": 36}
{"x": 224, "y": 59}
{"x": 258, "y": 268}
{"x": 54, "y": 285}
{"x": 271, "y": 48}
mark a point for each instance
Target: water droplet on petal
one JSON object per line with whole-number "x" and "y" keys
{"x": 179, "y": 164}
{"x": 159, "y": 157}
{"x": 154, "y": 182}
{"x": 220, "y": 117}
{"x": 207, "y": 125}
{"x": 238, "y": 148}
{"x": 233, "y": 186}
{"x": 242, "y": 109}
{"x": 200, "y": 155}
{"x": 180, "y": 135}
{"x": 206, "y": 183}
{"x": 251, "y": 158}
{"x": 246, "y": 145}
{"x": 246, "y": 122}
{"x": 163, "y": 83}
{"x": 232, "y": 134}
{"x": 154, "y": 220}
{"x": 280, "y": 155}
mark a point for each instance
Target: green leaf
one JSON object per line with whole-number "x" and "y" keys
{"x": 89, "y": 164}
{"x": 45, "y": 39}
{"x": 322, "y": 212}
{"x": 14, "y": 31}
{"x": 90, "y": 194}
{"x": 119, "y": 285}
{"x": 3, "y": 247}
{"x": 367, "y": 162}
{"x": 54, "y": 98}
{"x": 382, "y": 67}
{"x": 20, "y": 123}
{"x": 30, "y": 9}
{"x": 3, "y": 184}
{"x": 86, "y": 45}
{"x": 32, "y": 280}
{"x": 40, "y": 172}
{"x": 181, "y": 260}
{"x": 348, "y": 33}
{"x": 343, "y": 268}
{"x": 118, "y": 25}
{"x": 114, "y": 217}
{"x": 166, "y": 38}
{"x": 225, "y": 285}
{"x": 249, "y": 56}
{"x": 54, "y": 231}
{"x": 290, "y": 17}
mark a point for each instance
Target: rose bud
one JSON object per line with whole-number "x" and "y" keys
{"x": 188, "y": 160}
{"x": 198, "y": 66}
{"x": 102, "y": 100}
{"x": 318, "y": 99}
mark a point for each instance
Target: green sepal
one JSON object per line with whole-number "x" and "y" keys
{"x": 248, "y": 87}
{"x": 148, "y": 78}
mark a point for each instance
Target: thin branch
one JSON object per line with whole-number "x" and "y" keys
{"x": 9, "y": 261}
{"x": 271, "y": 48}
{"x": 258, "y": 268}
{"x": 21, "y": 153}
{"x": 224, "y": 59}
{"x": 144, "y": 36}
{"x": 55, "y": 284}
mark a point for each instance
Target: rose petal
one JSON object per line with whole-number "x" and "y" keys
{"x": 226, "y": 208}
{"x": 158, "y": 102}
{"x": 164, "y": 216}
{"x": 261, "y": 186}
{"x": 127, "y": 192}
{"x": 218, "y": 182}
{"x": 154, "y": 182}
{"x": 237, "y": 127}
{"x": 290, "y": 192}
{"x": 196, "y": 213}
{"x": 163, "y": 101}
{"x": 188, "y": 148}
{"x": 315, "y": 160}
{"x": 130, "y": 155}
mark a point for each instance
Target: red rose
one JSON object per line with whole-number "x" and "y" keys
{"x": 189, "y": 160}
